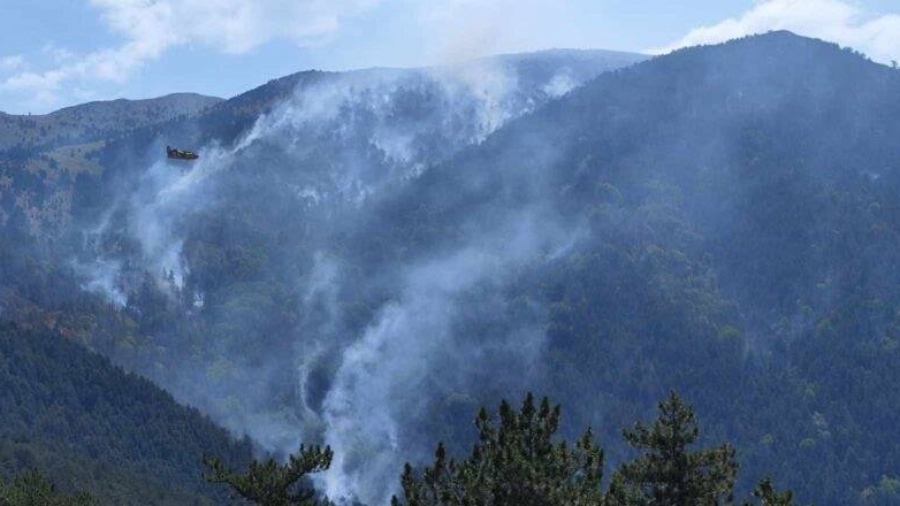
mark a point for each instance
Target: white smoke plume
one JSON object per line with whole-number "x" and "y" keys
{"x": 376, "y": 131}
{"x": 486, "y": 94}
{"x": 411, "y": 351}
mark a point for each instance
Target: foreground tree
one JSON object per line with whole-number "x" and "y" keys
{"x": 516, "y": 462}
{"x": 268, "y": 483}
{"x": 667, "y": 473}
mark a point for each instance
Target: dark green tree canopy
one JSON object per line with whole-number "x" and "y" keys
{"x": 516, "y": 462}
{"x": 667, "y": 473}
{"x": 766, "y": 495}
{"x": 33, "y": 489}
{"x": 268, "y": 483}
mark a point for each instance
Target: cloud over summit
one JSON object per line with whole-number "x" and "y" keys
{"x": 877, "y": 35}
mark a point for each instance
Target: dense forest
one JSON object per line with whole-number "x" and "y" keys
{"x": 736, "y": 207}
{"x": 361, "y": 260}
{"x": 86, "y": 424}
{"x": 89, "y": 426}
{"x": 519, "y": 460}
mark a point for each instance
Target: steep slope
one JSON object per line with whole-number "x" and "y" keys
{"x": 222, "y": 333}
{"x": 85, "y": 423}
{"x": 90, "y": 426}
{"x": 733, "y": 214}
{"x": 739, "y": 131}
{"x": 42, "y": 155}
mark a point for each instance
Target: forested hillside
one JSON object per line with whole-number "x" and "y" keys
{"x": 95, "y": 120}
{"x": 55, "y": 249}
{"x": 89, "y": 426}
{"x": 42, "y": 156}
{"x": 362, "y": 259}
{"x": 734, "y": 209}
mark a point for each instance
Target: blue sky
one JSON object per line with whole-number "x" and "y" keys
{"x": 55, "y": 53}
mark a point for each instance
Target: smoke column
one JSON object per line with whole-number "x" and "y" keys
{"x": 339, "y": 148}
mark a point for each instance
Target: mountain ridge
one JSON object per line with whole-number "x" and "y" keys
{"x": 116, "y": 102}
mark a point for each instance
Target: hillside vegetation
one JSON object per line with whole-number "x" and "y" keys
{"x": 90, "y": 426}
{"x": 366, "y": 259}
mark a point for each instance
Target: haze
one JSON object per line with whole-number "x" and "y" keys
{"x": 58, "y": 53}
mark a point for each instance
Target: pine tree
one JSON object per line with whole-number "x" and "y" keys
{"x": 32, "y": 489}
{"x": 269, "y": 484}
{"x": 667, "y": 473}
{"x": 766, "y": 495}
{"x": 516, "y": 462}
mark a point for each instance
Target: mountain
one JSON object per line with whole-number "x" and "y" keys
{"x": 488, "y": 92}
{"x": 361, "y": 259}
{"x": 41, "y": 155}
{"x": 80, "y": 264}
{"x": 732, "y": 220}
{"x": 719, "y": 220}
{"x": 95, "y": 120}
{"x": 305, "y": 150}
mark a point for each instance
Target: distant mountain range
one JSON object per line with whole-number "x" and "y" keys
{"x": 95, "y": 120}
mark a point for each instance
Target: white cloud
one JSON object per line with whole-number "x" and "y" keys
{"x": 234, "y": 26}
{"x": 11, "y": 63}
{"x": 465, "y": 29}
{"x": 877, "y": 35}
{"x": 151, "y": 27}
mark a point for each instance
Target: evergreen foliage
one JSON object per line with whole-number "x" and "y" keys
{"x": 667, "y": 473}
{"x": 766, "y": 495}
{"x": 33, "y": 489}
{"x": 520, "y": 461}
{"x": 90, "y": 426}
{"x": 516, "y": 461}
{"x": 268, "y": 483}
